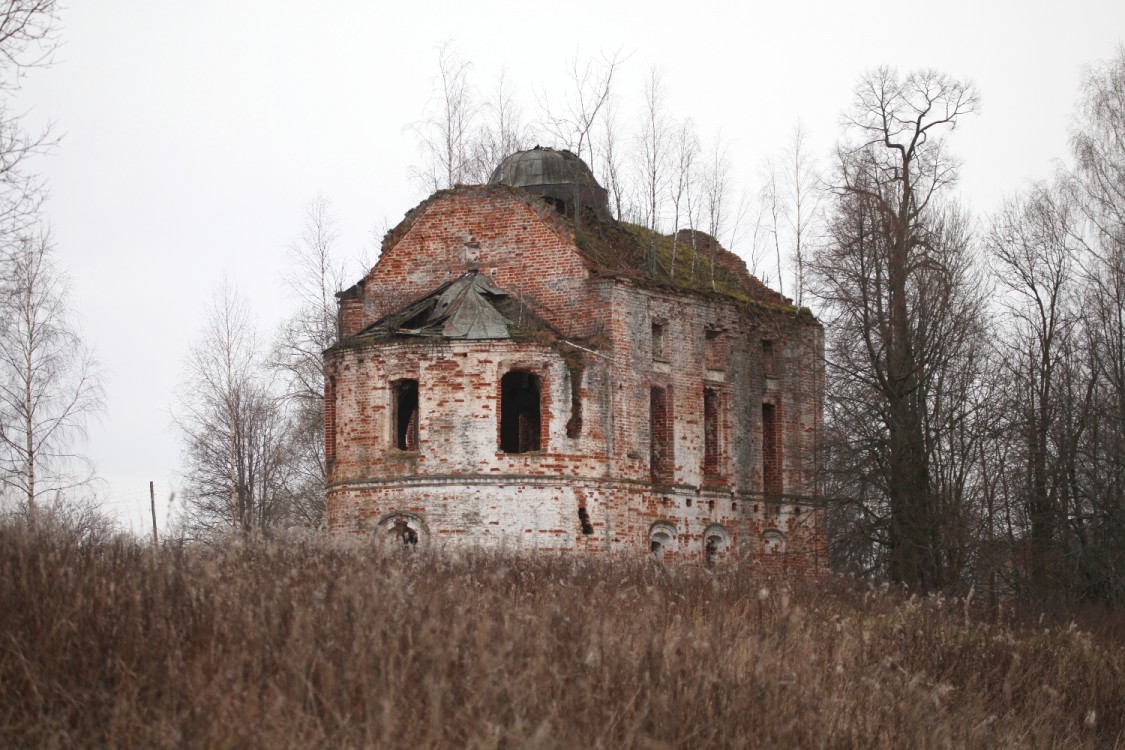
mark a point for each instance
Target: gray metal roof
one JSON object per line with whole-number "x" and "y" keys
{"x": 461, "y": 309}
{"x": 542, "y": 166}
{"x": 558, "y": 175}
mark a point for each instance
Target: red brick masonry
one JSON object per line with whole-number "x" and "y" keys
{"x": 592, "y": 487}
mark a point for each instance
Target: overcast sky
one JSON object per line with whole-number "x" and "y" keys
{"x": 195, "y": 133}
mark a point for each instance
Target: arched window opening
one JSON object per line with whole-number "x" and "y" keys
{"x": 406, "y": 414}
{"x": 661, "y": 540}
{"x": 519, "y": 412}
{"x": 401, "y": 531}
{"x": 715, "y": 541}
{"x": 404, "y": 533}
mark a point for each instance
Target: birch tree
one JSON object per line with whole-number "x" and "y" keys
{"x": 27, "y": 40}
{"x": 654, "y": 145}
{"x": 445, "y": 132}
{"x": 314, "y": 277}
{"x": 50, "y": 384}
{"x": 571, "y": 122}
{"x": 237, "y": 468}
{"x": 501, "y": 130}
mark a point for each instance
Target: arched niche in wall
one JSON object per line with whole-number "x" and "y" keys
{"x": 401, "y": 530}
{"x": 773, "y": 541}
{"x": 661, "y": 539}
{"x": 716, "y": 541}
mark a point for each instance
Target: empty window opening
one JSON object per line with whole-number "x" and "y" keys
{"x": 660, "y": 432}
{"x": 519, "y": 412}
{"x": 658, "y": 341}
{"x": 714, "y": 349}
{"x": 406, "y": 414}
{"x": 711, "y": 430}
{"x": 768, "y": 358}
{"x": 584, "y": 520}
{"x": 771, "y": 452}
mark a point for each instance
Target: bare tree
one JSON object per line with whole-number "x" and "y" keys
{"x": 27, "y": 40}
{"x": 685, "y": 149}
{"x": 315, "y": 275}
{"x": 654, "y": 145}
{"x": 1032, "y": 245}
{"x": 236, "y": 467}
{"x": 715, "y": 187}
{"x": 49, "y": 381}
{"x": 572, "y": 123}
{"x": 803, "y": 191}
{"x": 502, "y": 131}
{"x": 896, "y": 283}
{"x": 1097, "y": 181}
{"x": 772, "y": 212}
{"x": 613, "y": 173}
{"x": 445, "y": 130}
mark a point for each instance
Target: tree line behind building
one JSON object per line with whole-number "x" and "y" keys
{"x": 975, "y": 425}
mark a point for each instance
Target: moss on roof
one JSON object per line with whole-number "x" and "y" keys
{"x": 687, "y": 261}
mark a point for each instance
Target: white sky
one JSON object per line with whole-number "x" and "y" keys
{"x": 195, "y": 133}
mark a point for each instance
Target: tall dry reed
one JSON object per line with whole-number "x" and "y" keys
{"x": 313, "y": 642}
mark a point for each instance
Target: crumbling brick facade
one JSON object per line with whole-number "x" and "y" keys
{"x": 508, "y": 375}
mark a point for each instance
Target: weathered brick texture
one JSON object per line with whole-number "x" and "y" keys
{"x": 610, "y": 406}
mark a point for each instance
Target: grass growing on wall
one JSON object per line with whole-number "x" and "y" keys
{"x": 314, "y": 642}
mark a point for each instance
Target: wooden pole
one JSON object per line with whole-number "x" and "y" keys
{"x": 152, "y": 500}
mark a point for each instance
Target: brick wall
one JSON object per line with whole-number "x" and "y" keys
{"x": 519, "y": 241}
{"x": 708, "y": 503}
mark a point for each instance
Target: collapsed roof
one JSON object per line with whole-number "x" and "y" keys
{"x": 470, "y": 307}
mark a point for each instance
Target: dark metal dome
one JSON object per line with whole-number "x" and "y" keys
{"x": 559, "y": 177}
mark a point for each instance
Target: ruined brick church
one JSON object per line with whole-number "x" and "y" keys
{"x": 521, "y": 371}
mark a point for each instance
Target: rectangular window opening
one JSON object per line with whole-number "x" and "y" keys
{"x": 658, "y": 341}
{"x": 771, "y": 453}
{"x": 661, "y": 458}
{"x": 768, "y": 358}
{"x": 711, "y": 433}
{"x": 520, "y": 418}
{"x": 406, "y": 414}
{"x": 714, "y": 349}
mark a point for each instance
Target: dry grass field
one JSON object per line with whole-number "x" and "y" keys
{"x": 312, "y": 642}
